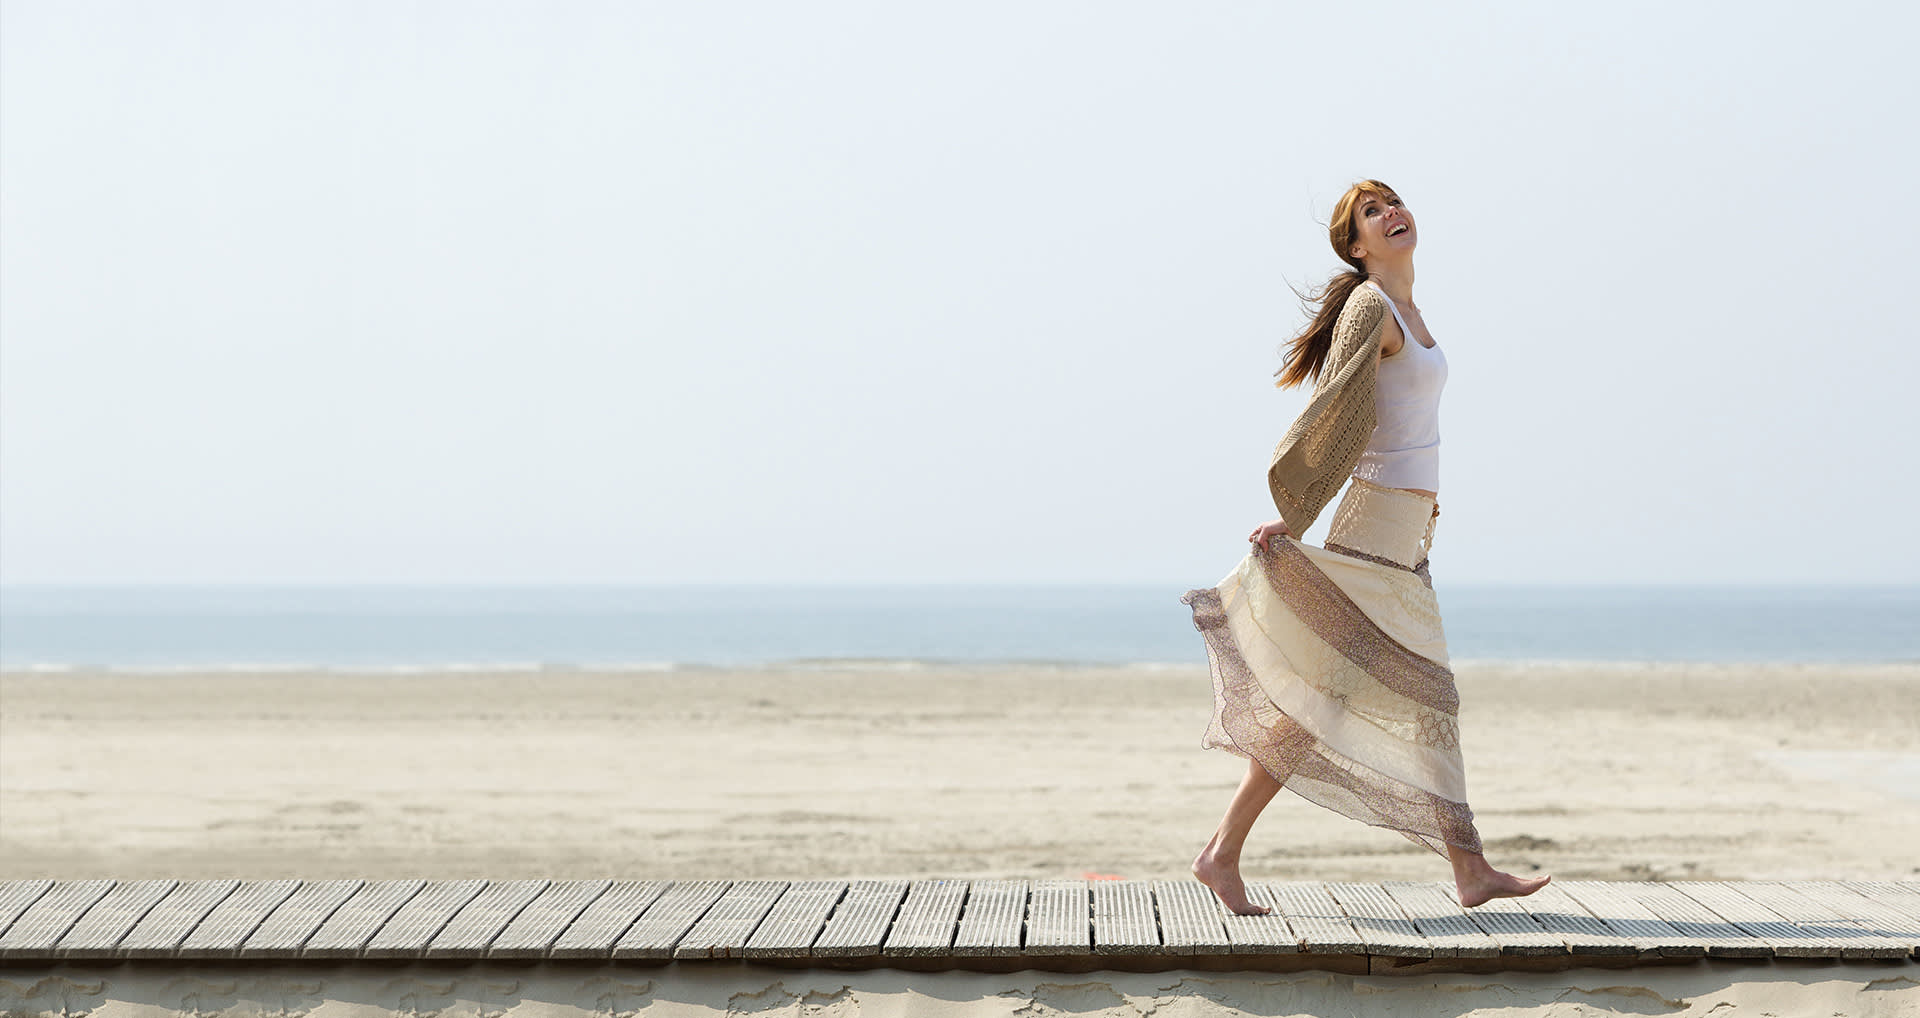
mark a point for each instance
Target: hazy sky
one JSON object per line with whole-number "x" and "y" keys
{"x": 846, "y": 292}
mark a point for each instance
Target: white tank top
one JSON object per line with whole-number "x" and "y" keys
{"x": 1404, "y": 450}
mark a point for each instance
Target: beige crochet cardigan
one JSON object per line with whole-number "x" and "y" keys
{"x": 1325, "y": 442}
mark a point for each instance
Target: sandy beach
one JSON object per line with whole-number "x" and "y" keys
{"x": 1604, "y": 772}
{"x": 1720, "y": 989}
{"x": 1583, "y": 771}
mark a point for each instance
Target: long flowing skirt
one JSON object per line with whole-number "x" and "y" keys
{"x": 1330, "y": 670}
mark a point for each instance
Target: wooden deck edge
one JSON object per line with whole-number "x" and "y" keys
{"x": 1067, "y": 926}
{"x": 1351, "y": 964}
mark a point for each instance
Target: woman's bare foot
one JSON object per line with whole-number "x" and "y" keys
{"x": 1479, "y": 883}
{"x": 1222, "y": 876}
{"x": 1481, "y": 887}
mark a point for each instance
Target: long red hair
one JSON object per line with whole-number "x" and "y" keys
{"x": 1306, "y": 352}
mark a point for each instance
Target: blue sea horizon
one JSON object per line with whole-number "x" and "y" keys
{"x": 450, "y": 627}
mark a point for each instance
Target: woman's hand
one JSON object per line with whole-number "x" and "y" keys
{"x": 1268, "y": 531}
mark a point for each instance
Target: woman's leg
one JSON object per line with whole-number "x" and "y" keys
{"x": 1218, "y": 865}
{"x": 1478, "y": 882}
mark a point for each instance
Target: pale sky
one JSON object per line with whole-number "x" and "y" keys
{"x": 559, "y": 292}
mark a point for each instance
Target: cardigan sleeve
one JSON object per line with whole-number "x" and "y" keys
{"x": 1324, "y": 444}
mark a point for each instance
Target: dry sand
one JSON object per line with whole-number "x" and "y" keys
{"x": 1719, "y": 989}
{"x": 1584, "y": 771}
{"x": 1618, "y": 772}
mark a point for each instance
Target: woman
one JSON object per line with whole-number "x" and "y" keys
{"x": 1329, "y": 664}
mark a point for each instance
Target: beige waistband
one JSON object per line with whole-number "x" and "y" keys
{"x": 1384, "y": 523}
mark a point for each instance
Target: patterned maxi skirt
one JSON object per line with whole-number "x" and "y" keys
{"x": 1330, "y": 670}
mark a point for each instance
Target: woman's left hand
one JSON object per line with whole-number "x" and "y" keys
{"x": 1266, "y": 532}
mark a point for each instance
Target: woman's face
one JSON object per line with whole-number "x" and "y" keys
{"x": 1382, "y": 229}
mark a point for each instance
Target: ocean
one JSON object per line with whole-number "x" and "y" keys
{"x": 445, "y": 628}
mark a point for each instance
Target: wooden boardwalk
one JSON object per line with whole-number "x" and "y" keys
{"x": 1065, "y": 925}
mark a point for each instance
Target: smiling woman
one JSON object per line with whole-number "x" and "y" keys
{"x": 1330, "y": 669}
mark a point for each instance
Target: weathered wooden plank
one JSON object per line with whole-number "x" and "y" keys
{"x": 724, "y": 930}
{"x": 43, "y": 923}
{"x": 1059, "y": 918}
{"x": 1892, "y": 894}
{"x": 1565, "y": 921}
{"x": 1693, "y": 920}
{"x": 1380, "y": 922}
{"x": 227, "y": 927}
{"x": 796, "y": 920}
{"x": 540, "y": 924}
{"x": 1261, "y": 934}
{"x": 288, "y": 928}
{"x": 1437, "y": 914}
{"x": 1910, "y": 888}
{"x": 859, "y": 926}
{"x": 111, "y": 918}
{"x": 160, "y": 933}
{"x": 992, "y": 919}
{"x": 1190, "y": 918}
{"x": 1322, "y": 925}
{"x": 16, "y": 896}
{"x": 652, "y": 936}
{"x": 472, "y": 928}
{"x": 928, "y": 919}
{"x": 1877, "y": 918}
{"x": 416, "y": 923}
{"x": 1756, "y": 909}
{"x": 1123, "y": 919}
{"x": 596, "y": 930}
{"x": 1623, "y": 918}
{"x": 1804, "y": 907}
{"x": 1515, "y": 929}
{"x": 346, "y": 932}
{"x": 1782, "y": 938}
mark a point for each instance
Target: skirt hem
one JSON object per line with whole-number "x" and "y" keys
{"x": 1246, "y": 723}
